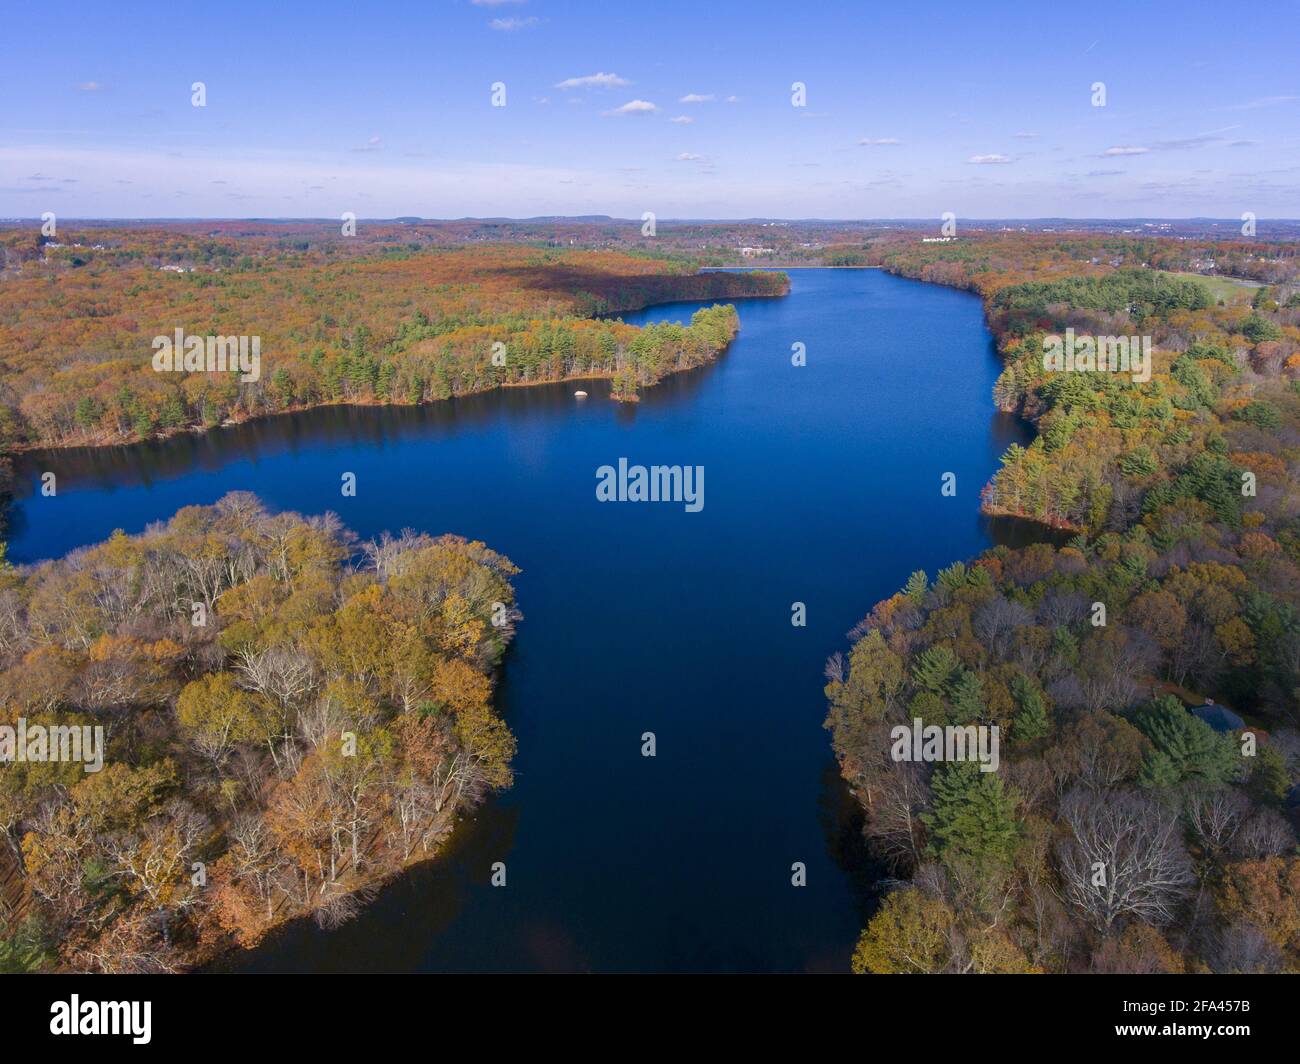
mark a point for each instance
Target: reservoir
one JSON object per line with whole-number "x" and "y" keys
{"x": 823, "y": 489}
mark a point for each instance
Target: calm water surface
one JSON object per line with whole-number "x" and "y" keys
{"x": 821, "y": 486}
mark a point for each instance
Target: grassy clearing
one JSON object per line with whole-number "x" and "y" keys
{"x": 1225, "y": 289}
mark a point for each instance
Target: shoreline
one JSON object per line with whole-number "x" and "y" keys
{"x": 231, "y": 952}
{"x": 38, "y": 447}
{"x": 29, "y": 450}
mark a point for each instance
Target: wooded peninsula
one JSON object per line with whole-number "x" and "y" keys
{"x": 290, "y": 717}
{"x": 1124, "y": 832}
{"x": 339, "y": 320}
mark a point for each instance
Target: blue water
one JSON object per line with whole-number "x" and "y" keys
{"x": 822, "y": 486}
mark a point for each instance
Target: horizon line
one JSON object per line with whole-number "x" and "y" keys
{"x": 603, "y": 218}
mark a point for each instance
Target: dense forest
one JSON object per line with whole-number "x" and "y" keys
{"x": 289, "y": 717}
{"x": 292, "y": 716}
{"x": 1122, "y": 833}
{"x": 374, "y": 320}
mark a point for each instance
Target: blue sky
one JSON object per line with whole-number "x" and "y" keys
{"x": 912, "y": 109}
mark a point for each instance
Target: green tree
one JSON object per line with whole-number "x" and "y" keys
{"x": 1269, "y": 779}
{"x": 24, "y": 948}
{"x": 972, "y": 819}
{"x": 1031, "y": 721}
{"x": 967, "y": 698}
{"x": 934, "y": 669}
{"x": 917, "y": 585}
{"x": 1257, "y": 328}
{"x": 1186, "y": 748}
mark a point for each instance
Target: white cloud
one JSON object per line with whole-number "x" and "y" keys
{"x": 91, "y": 86}
{"x": 877, "y": 142}
{"x": 262, "y": 178}
{"x": 982, "y": 159}
{"x": 509, "y": 25}
{"x": 601, "y": 80}
{"x": 1201, "y": 140}
{"x": 140, "y": 182}
{"x": 698, "y": 97}
{"x": 1026, "y": 136}
{"x": 634, "y": 107}
{"x": 682, "y": 120}
{"x": 1263, "y": 101}
{"x": 689, "y": 157}
{"x": 1126, "y": 149}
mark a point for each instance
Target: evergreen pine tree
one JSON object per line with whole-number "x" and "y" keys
{"x": 972, "y": 818}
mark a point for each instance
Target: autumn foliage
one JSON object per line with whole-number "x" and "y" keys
{"x": 374, "y": 320}
{"x": 1121, "y": 833}
{"x": 290, "y": 716}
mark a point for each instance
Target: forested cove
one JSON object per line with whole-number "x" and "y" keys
{"x": 1144, "y": 676}
{"x": 614, "y": 861}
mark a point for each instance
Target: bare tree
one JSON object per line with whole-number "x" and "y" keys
{"x": 255, "y": 858}
{"x": 1266, "y": 834}
{"x": 1125, "y": 858}
{"x": 899, "y": 795}
{"x": 322, "y": 722}
{"x": 995, "y": 622}
{"x": 384, "y": 555}
{"x": 1194, "y": 655}
{"x": 13, "y": 625}
{"x": 1243, "y": 949}
{"x": 281, "y": 673}
{"x": 157, "y": 859}
{"x": 1063, "y": 609}
{"x": 1215, "y": 816}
